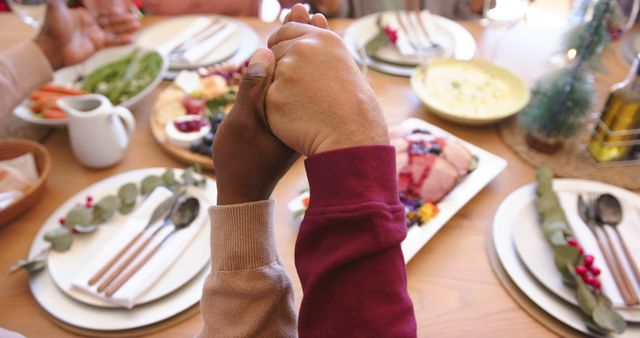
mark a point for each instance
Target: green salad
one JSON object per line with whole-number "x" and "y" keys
{"x": 124, "y": 78}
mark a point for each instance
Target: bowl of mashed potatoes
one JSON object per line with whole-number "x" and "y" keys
{"x": 470, "y": 92}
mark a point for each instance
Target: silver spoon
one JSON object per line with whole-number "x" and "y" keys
{"x": 182, "y": 218}
{"x": 610, "y": 213}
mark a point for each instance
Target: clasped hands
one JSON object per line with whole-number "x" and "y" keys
{"x": 304, "y": 95}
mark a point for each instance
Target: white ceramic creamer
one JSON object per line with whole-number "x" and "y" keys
{"x": 99, "y": 132}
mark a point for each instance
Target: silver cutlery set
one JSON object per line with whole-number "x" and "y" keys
{"x": 178, "y": 211}
{"x": 600, "y": 212}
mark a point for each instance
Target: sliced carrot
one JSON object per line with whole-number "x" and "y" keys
{"x": 39, "y": 95}
{"x": 54, "y": 114}
{"x": 37, "y": 106}
{"x": 50, "y": 87}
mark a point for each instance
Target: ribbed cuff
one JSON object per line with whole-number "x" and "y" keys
{"x": 353, "y": 175}
{"x": 242, "y": 236}
{"x": 30, "y": 63}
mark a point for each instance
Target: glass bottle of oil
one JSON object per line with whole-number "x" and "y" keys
{"x": 621, "y": 114}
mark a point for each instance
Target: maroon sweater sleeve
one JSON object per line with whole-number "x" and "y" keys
{"x": 348, "y": 252}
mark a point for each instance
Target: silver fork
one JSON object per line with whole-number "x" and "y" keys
{"x": 429, "y": 46}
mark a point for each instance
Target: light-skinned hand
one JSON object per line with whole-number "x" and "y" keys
{"x": 319, "y": 101}
{"x": 69, "y": 36}
{"x": 249, "y": 160}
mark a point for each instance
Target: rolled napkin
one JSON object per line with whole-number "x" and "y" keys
{"x": 151, "y": 272}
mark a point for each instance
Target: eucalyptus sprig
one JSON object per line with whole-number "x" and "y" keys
{"x": 595, "y": 306}
{"x": 84, "y": 219}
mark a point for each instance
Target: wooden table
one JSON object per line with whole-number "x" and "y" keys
{"x": 451, "y": 283}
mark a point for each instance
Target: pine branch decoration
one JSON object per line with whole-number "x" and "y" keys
{"x": 562, "y": 98}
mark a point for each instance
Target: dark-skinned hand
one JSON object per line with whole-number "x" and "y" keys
{"x": 69, "y": 36}
{"x": 249, "y": 160}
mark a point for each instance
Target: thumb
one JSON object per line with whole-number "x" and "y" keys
{"x": 255, "y": 83}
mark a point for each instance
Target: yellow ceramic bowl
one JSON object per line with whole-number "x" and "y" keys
{"x": 470, "y": 92}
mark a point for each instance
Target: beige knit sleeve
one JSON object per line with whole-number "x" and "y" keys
{"x": 248, "y": 292}
{"x": 23, "y": 68}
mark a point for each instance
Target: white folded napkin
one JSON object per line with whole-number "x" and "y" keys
{"x": 226, "y": 29}
{"x": 415, "y": 30}
{"x": 149, "y": 274}
{"x": 7, "y": 198}
{"x": 630, "y": 232}
{"x": 192, "y": 29}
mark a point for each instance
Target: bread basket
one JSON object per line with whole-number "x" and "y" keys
{"x": 12, "y": 148}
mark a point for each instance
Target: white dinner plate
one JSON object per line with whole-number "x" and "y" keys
{"x": 244, "y": 39}
{"x": 536, "y": 253}
{"x": 65, "y": 266}
{"x": 68, "y": 75}
{"x": 455, "y": 39}
{"x": 518, "y": 207}
{"x": 188, "y": 289}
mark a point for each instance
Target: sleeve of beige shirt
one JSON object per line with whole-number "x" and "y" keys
{"x": 23, "y": 68}
{"x": 248, "y": 292}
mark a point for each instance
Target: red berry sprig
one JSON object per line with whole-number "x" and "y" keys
{"x": 588, "y": 272}
{"x": 89, "y": 202}
{"x": 391, "y": 34}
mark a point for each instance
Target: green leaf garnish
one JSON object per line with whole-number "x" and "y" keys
{"x": 105, "y": 209}
{"x": 608, "y": 319}
{"x": 78, "y": 216}
{"x": 169, "y": 178}
{"x": 149, "y": 183}
{"x": 128, "y": 194}
{"x": 60, "y": 239}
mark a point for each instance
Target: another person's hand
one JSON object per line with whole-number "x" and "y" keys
{"x": 114, "y": 16}
{"x": 70, "y": 36}
{"x": 319, "y": 100}
{"x": 249, "y": 160}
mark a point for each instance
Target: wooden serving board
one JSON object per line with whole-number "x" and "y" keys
{"x": 183, "y": 155}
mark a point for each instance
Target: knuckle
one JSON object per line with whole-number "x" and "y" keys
{"x": 254, "y": 75}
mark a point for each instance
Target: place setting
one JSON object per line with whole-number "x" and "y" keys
{"x": 127, "y": 252}
{"x": 591, "y": 226}
{"x": 395, "y": 42}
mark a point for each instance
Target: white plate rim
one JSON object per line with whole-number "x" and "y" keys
{"x": 190, "y": 261}
{"x": 57, "y": 304}
{"x": 502, "y": 237}
{"x": 465, "y": 45}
